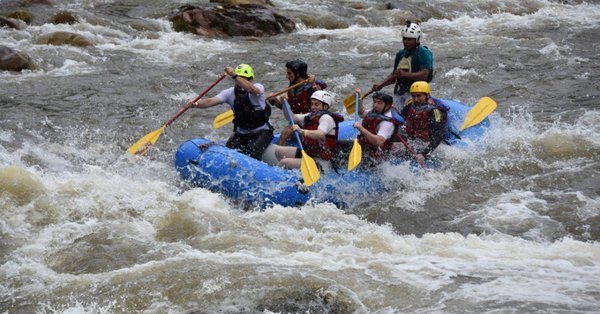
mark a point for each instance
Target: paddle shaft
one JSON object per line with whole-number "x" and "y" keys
{"x": 289, "y": 88}
{"x": 289, "y": 111}
{"x": 191, "y": 104}
{"x": 412, "y": 151}
{"x": 358, "y": 98}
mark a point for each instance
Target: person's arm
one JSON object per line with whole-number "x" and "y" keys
{"x": 373, "y": 139}
{"x": 248, "y": 85}
{"x": 326, "y": 124}
{"x": 391, "y": 78}
{"x": 422, "y": 75}
{"x": 361, "y": 106}
{"x": 244, "y": 82}
{"x": 208, "y": 102}
{"x": 424, "y": 64}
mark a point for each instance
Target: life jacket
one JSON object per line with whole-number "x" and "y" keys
{"x": 417, "y": 119}
{"x": 406, "y": 64}
{"x": 326, "y": 148}
{"x": 370, "y": 123}
{"x": 299, "y": 98}
{"x": 245, "y": 115}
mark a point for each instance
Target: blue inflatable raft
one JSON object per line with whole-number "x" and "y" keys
{"x": 259, "y": 183}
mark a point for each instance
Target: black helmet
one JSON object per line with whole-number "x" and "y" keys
{"x": 387, "y": 99}
{"x": 299, "y": 67}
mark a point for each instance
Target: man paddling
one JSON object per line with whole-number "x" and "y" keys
{"x": 252, "y": 131}
{"x": 378, "y": 129}
{"x": 425, "y": 121}
{"x": 299, "y": 97}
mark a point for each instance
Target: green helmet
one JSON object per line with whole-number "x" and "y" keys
{"x": 245, "y": 71}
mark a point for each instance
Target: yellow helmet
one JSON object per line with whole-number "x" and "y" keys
{"x": 420, "y": 87}
{"x": 245, "y": 71}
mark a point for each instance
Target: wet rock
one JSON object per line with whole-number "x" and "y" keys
{"x": 359, "y": 6}
{"x": 11, "y": 60}
{"x": 326, "y": 22}
{"x": 63, "y": 38}
{"x": 64, "y": 18}
{"x": 232, "y": 20}
{"x": 11, "y": 23}
{"x": 239, "y": 2}
{"x": 411, "y": 12}
{"x": 21, "y": 15}
{"x": 29, "y": 2}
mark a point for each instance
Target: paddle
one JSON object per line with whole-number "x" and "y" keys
{"x": 350, "y": 100}
{"x": 412, "y": 150}
{"x": 223, "y": 119}
{"x": 140, "y": 147}
{"x": 356, "y": 152}
{"x": 227, "y": 116}
{"x": 484, "y": 107}
{"x": 309, "y": 169}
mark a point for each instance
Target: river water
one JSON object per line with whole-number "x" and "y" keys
{"x": 510, "y": 227}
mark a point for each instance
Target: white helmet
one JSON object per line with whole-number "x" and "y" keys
{"x": 323, "y": 96}
{"x": 411, "y": 30}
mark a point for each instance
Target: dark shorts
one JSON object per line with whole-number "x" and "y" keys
{"x": 253, "y": 144}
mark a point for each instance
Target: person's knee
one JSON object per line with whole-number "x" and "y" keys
{"x": 289, "y": 163}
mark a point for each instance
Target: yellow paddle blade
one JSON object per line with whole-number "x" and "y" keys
{"x": 355, "y": 155}
{"x": 310, "y": 172}
{"x": 350, "y": 103}
{"x": 223, "y": 119}
{"x": 141, "y": 146}
{"x": 484, "y": 107}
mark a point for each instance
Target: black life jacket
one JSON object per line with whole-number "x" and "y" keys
{"x": 245, "y": 115}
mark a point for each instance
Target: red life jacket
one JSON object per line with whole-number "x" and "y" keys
{"x": 299, "y": 98}
{"x": 417, "y": 119}
{"x": 326, "y": 148}
{"x": 370, "y": 123}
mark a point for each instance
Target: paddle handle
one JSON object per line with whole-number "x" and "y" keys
{"x": 184, "y": 109}
{"x": 412, "y": 151}
{"x": 289, "y": 111}
{"x": 358, "y": 98}
{"x": 289, "y": 88}
{"x": 365, "y": 95}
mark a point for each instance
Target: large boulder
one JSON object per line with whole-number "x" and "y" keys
{"x": 64, "y": 17}
{"x": 63, "y": 38}
{"x": 258, "y": 2}
{"x": 21, "y": 15}
{"x": 11, "y": 60}
{"x": 232, "y": 20}
{"x": 11, "y": 23}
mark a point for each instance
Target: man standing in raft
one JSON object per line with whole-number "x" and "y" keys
{"x": 318, "y": 130}
{"x": 252, "y": 131}
{"x": 413, "y": 63}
